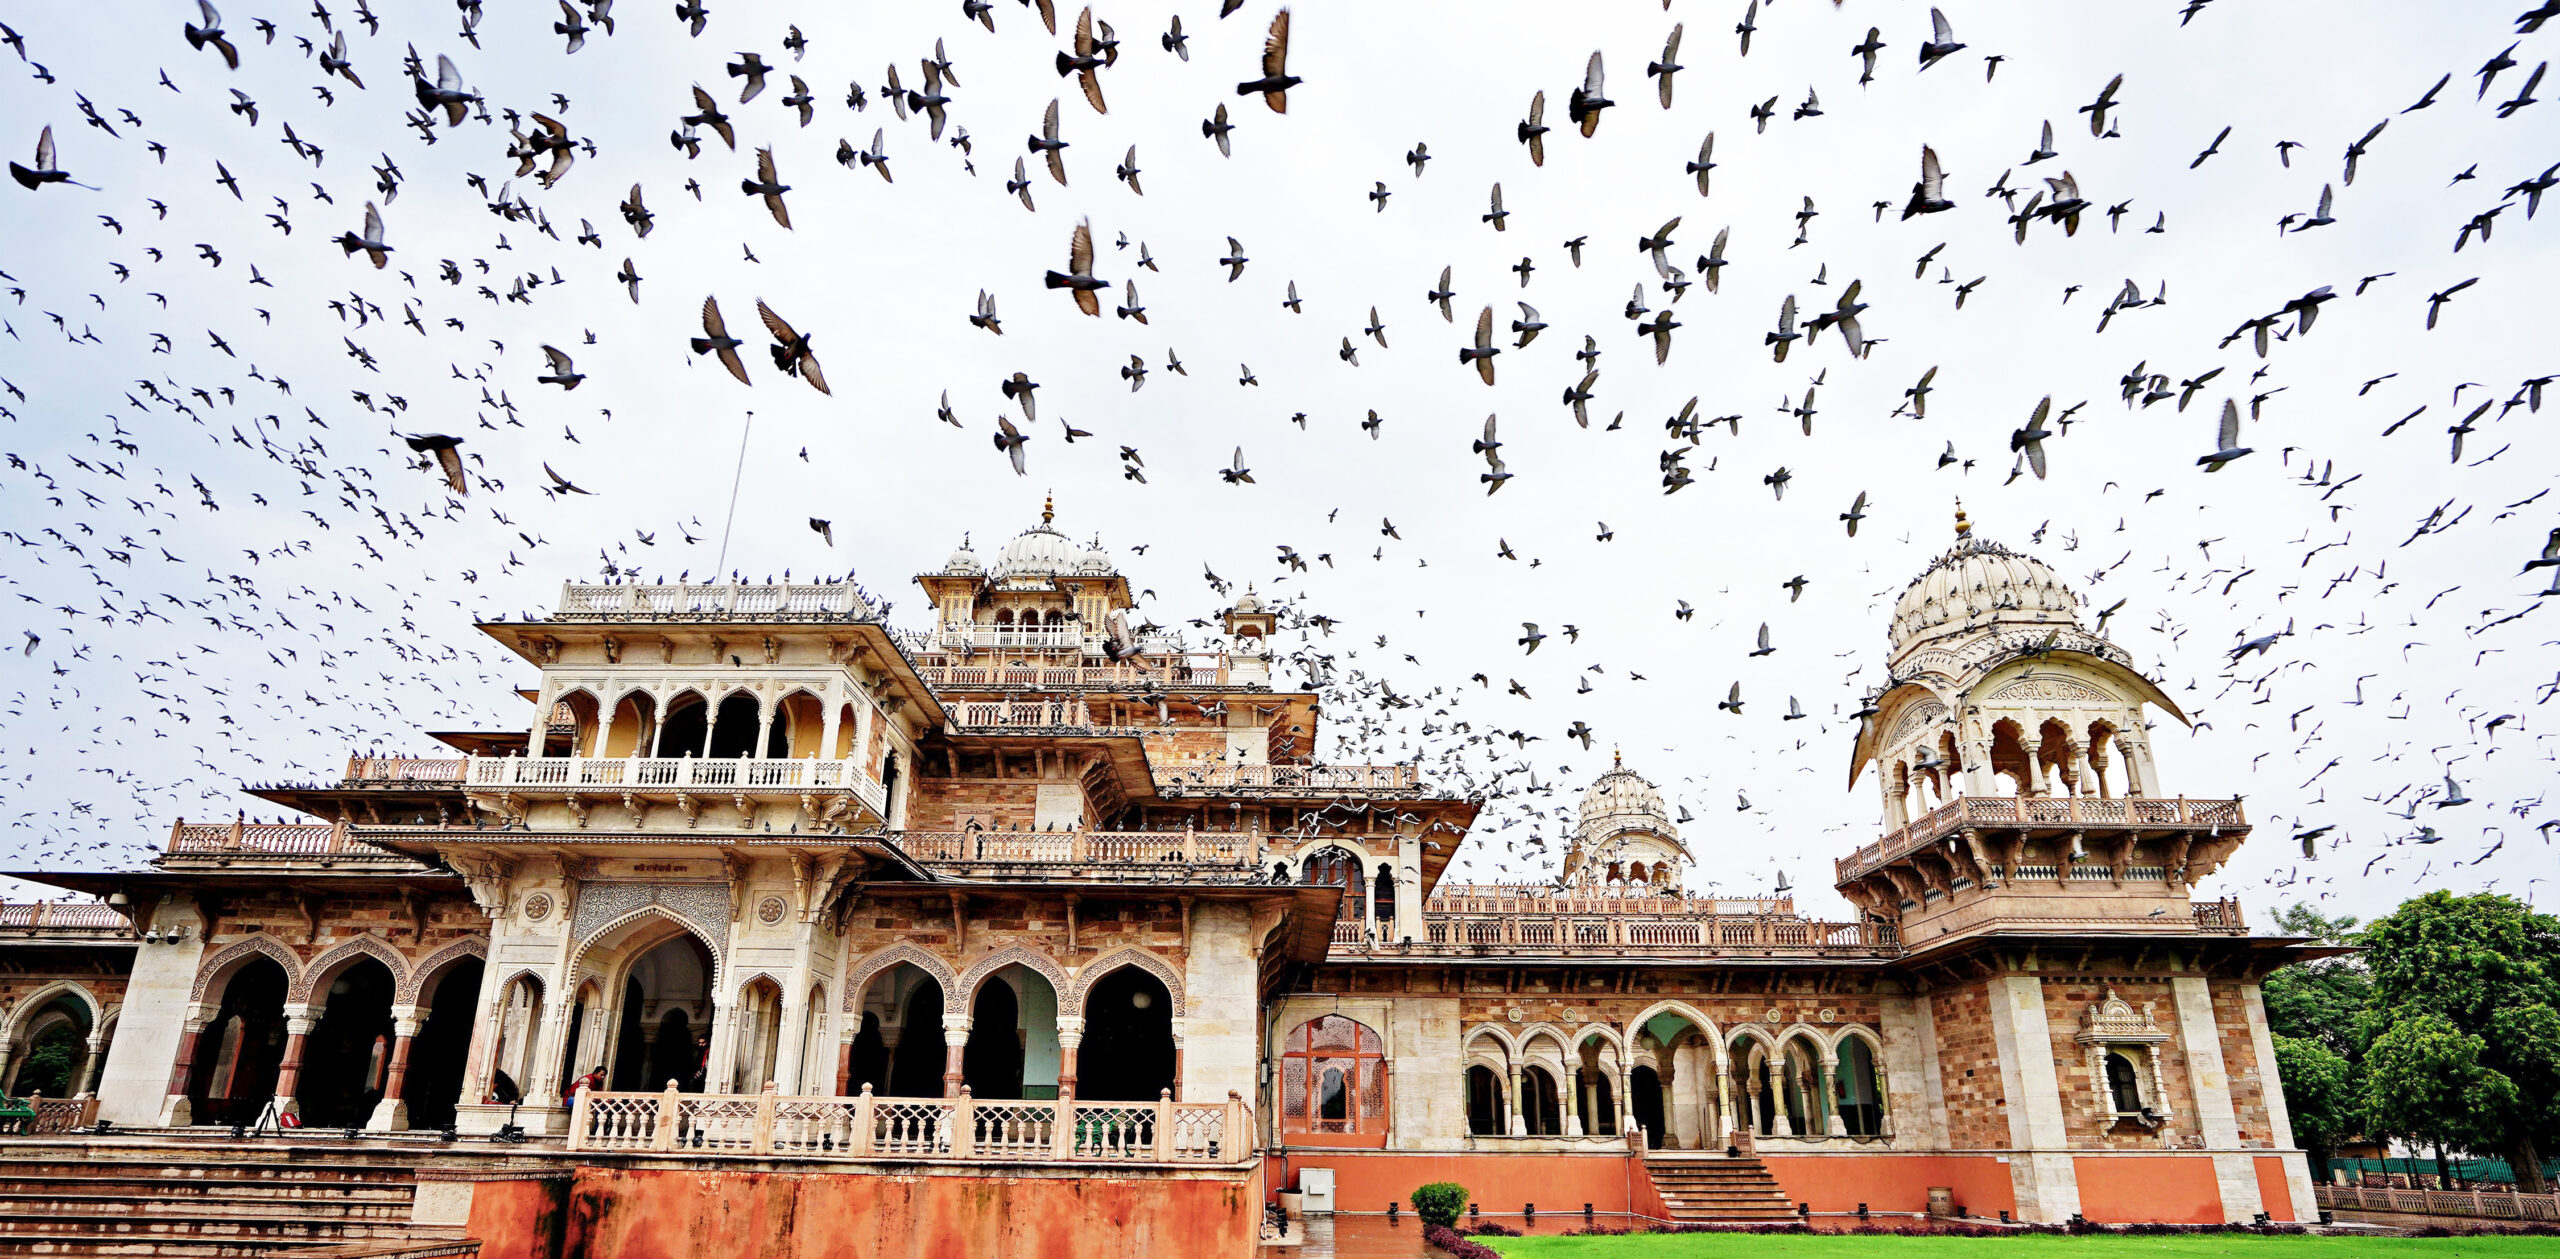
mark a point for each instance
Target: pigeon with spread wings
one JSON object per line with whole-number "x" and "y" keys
{"x": 1079, "y": 273}
{"x": 791, "y": 351}
{"x": 1587, "y": 101}
{"x": 715, "y": 340}
{"x": 448, "y": 457}
{"x": 768, "y": 186}
{"x": 1276, "y": 80}
{"x": 1482, "y": 352}
{"x": 1085, "y": 62}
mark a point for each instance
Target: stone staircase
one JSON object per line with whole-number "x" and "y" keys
{"x": 199, "y": 1200}
{"x": 1708, "y": 1188}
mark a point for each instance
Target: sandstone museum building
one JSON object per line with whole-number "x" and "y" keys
{"x": 1028, "y": 930}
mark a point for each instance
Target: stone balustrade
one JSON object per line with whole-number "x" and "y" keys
{"x": 404, "y": 769}
{"x": 1240, "y": 850}
{"x": 961, "y": 1129}
{"x": 1152, "y": 671}
{"x": 726, "y": 601}
{"x": 2050, "y": 812}
{"x": 670, "y": 774}
{"x": 1630, "y": 935}
{"x": 1287, "y": 780}
{"x": 2492, "y": 1204}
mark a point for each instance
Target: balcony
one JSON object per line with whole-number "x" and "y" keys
{"x": 2057, "y": 813}
{"x": 1014, "y": 637}
{"x": 1027, "y": 717}
{"x": 1287, "y": 780}
{"x": 46, "y": 922}
{"x": 1646, "y": 936}
{"x": 621, "y": 601}
{"x": 1151, "y": 672}
{"x": 377, "y": 770}
{"x": 915, "y": 1129}
{"x": 1147, "y": 856}
{"x": 660, "y": 775}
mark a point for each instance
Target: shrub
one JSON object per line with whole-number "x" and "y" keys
{"x": 1447, "y": 1239}
{"x": 1440, "y": 1202}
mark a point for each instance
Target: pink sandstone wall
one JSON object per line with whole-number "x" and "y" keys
{"x": 2166, "y": 1189}
{"x": 614, "y": 1213}
{"x": 1556, "y": 1183}
{"x": 1894, "y": 1182}
{"x": 2274, "y": 1191}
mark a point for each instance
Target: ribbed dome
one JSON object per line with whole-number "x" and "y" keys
{"x": 1977, "y": 584}
{"x": 962, "y": 560}
{"x": 1037, "y": 551}
{"x": 1249, "y": 602}
{"x": 1096, "y": 561}
{"x": 1621, "y": 800}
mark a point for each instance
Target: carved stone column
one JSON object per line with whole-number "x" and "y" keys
{"x": 1519, "y": 1102}
{"x": 391, "y": 1114}
{"x": 1070, "y": 1039}
{"x": 955, "y": 1040}
{"x": 1830, "y": 1099}
{"x": 298, "y": 1022}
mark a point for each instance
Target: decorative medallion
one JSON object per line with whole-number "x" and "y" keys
{"x": 1773, "y": 1015}
{"x": 537, "y": 907}
{"x": 1515, "y": 1014}
{"x": 769, "y": 910}
{"x": 1830, "y": 1016}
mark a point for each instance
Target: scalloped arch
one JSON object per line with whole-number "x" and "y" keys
{"x": 719, "y": 957}
{"x": 438, "y": 962}
{"x": 1153, "y": 963}
{"x": 229, "y": 958}
{"x": 959, "y": 996}
{"x": 871, "y": 966}
{"x": 339, "y": 957}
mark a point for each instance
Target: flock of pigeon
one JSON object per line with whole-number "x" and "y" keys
{"x": 299, "y": 300}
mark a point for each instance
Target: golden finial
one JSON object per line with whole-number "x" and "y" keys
{"x": 1617, "y": 759}
{"x": 1048, "y": 507}
{"x": 1964, "y": 527}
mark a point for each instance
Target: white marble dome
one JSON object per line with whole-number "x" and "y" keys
{"x": 1038, "y": 551}
{"x": 1248, "y": 602}
{"x": 1621, "y": 800}
{"x": 1977, "y": 584}
{"x": 962, "y": 560}
{"x": 1096, "y": 561}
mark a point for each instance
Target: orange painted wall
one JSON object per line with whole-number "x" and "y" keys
{"x": 2275, "y": 1196}
{"x": 2166, "y": 1190}
{"x": 519, "y": 1219}
{"x": 1558, "y": 1183}
{"x": 1894, "y": 1182}
{"x": 615, "y": 1213}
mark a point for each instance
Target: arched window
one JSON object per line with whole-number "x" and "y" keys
{"x": 1539, "y": 1110}
{"x": 1333, "y": 1080}
{"x": 1859, "y": 1100}
{"x": 1485, "y": 1111}
{"x": 1336, "y": 867}
{"x": 2123, "y": 1084}
{"x": 1382, "y": 894}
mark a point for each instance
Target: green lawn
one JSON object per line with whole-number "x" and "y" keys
{"x": 1838, "y": 1246}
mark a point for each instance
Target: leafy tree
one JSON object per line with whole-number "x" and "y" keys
{"x": 2323, "y": 1094}
{"x": 51, "y": 1062}
{"x": 2322, "y": 1000}
{"x": 1440, "y": 1202}
{"x": 2464, "y": 1026}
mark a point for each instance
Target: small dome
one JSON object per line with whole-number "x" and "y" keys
{"x": 1248, "y": 602}
{"x": 1096, "y": 561}
{"x": 1621, "y": 800}
{"x": 1978, "y": 584}
{"x": 962, "y": 560}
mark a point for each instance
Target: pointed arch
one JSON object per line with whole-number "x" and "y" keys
{"x": 1707, "y": 1027}
{"x": 327, "y": 965}
{"x": 859, "y": 978}
{"x": 1755, "y": 1034}
{"x": 958, "y": 997}
{"x": 1602, "y": 1032}
{"x": 775, "y": 977}
{"x": 1153, "y": 963}
{"x": 1529, "y": 1035}
{"x": 1506, "y": 1051}
{"x": 424, "y": 975}
{"x": 230, "y": 957}
{"x": 716, "y": 948}
{"x": 34, "y": 1002}
{"x": 1811, "y": 1035}
{"x": 1856, "y": 1031}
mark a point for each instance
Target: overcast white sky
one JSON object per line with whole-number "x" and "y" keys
{"x": 120, "y": 721}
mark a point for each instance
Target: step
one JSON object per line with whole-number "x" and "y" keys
{"x": 208, "y": 1206}
{"x": 19, "y": 1226}
{"x": 73, "y": 1187}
